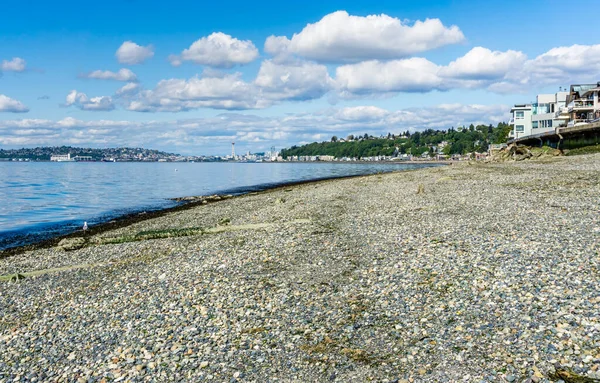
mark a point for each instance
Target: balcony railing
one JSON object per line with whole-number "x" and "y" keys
{"x": 562, "y": 113}
{"x": 581, "y": 104}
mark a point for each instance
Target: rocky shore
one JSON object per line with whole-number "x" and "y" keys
{"x": 464, "y": 273}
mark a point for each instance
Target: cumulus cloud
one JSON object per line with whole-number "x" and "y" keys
{"x": 480, "y": 68}
{"x": 218, "y": 50}
{"x": 361, "y": 113}
{"x": 132, "y": 53}
{"x": 17, "y": 64}
{"x": 481, "y": 63}
{"x": 340, "y": 37}
{"x": 129, "y": 88}
{"x": 576, "y": 63}
{"x": 213, "y": 135}
{"x": 83, "y": 102}
{"x": 575, "y": 58}
{"x": 300, "y": 80}
{"x": 10, "y": 105}
{"x": 123, "y": 74}
{"x": 408, "y": 75}
{"x": 174, "y": 95}
{"x": 289, "y": 78}
{"x": 277, "y": 45}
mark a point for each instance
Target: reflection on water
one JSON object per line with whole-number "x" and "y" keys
{"x": 47, "y": 198}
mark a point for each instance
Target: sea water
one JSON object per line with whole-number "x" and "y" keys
{"x": 44, "y": 199}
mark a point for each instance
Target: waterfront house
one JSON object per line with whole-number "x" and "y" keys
{"x": 582, "y": 103}
{"x": 548, "y": 112}
{"x": 521, "y": 120}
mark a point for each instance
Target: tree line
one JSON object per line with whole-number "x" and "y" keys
{"x": 459, "y": 141}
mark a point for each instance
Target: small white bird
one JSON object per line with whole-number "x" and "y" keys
{"x": 85, "y": 226}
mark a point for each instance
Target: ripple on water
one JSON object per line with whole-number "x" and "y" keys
{"x": 46, "y": 199}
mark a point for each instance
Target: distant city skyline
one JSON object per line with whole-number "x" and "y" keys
{"x": 193, "y": 77}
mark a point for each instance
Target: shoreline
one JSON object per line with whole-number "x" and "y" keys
{"x": 478, "y": 272}
{"x": 184, "y": 203}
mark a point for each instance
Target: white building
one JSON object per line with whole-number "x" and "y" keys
{"x": 547, "y": 113}
{"x": 61, "y": 157}
{"x": 521, "y": 120}
{"x": 583, "y": 103}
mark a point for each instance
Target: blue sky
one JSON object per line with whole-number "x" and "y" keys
{"x": 198, "y": 75}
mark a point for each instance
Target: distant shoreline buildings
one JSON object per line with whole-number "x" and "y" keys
{"x": 61, "y": 157}
{"x": 74, "y": 154}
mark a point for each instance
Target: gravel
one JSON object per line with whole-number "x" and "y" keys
{"x": 489, "y": 274}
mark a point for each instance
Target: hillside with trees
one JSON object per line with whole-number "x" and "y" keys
{"x": 125, "y": 154}
{"x": 454, "y": 141}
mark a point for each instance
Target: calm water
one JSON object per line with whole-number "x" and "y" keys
{"x": 43, "y": 199}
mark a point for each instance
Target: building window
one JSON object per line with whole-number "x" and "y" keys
{"x": 549, "y": 123}
{"x": 519, "y": 114}
{"x": 520, "y": 128}
{"x": 534, "y": 124}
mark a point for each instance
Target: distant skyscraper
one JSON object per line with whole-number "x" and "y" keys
{"x": 233, "y": 150}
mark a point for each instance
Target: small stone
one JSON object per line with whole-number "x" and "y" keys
{"x": 204, "y": 364}
{"x": 68, "y": 244}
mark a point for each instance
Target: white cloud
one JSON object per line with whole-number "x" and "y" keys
{"x": 289, "y": 78}
{"x": 17, "y": 64}
{"x": 277, "y": 45}
{"x": 83, "y": 102}
{"x": 212, "y": 135}
{"x": 361, "y": 113}
{"x": 483, "y": 64}
{"x": 129, "y": 88}
{"x": 480, "y": 68}
{"x": 175, "y": 60}
{"x": 408, "y": 75}
{"x": 300, "y": 80}
{"x": 575, "y": 58}
{"x": 228, "y": 91}
{"x": 218, "y": 50}
{"x": 576, "y": 63}
{"x": 8, "y": 104}
{"x": 123, "y": 74}
{"x": 132, "y": 53}
{"x": 340, "y": 37}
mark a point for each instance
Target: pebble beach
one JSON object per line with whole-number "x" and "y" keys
{"x": 472, "y": 272}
